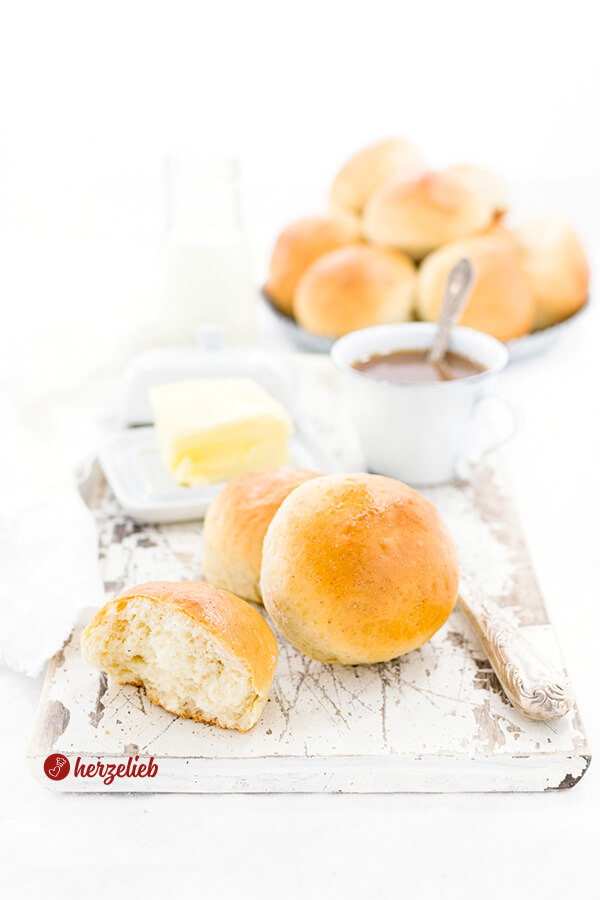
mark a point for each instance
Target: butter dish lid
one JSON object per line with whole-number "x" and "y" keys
{"x": 165, "y": 365}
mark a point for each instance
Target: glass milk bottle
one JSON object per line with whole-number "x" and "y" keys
{"x": 209, "y": 291}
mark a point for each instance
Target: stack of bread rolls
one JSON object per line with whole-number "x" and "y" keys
{"x": 393, "y": 232}
{"x": 351, "y": 569}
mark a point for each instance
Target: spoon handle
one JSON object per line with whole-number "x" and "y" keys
{"x": 456, "y": 294}
{"x": 533, "y": 685}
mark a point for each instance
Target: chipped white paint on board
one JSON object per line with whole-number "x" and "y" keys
{"x": 434, "y": 720}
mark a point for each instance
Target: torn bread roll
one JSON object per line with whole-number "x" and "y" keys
{"x": 364, "y": 172}
{"x": 355, "y": 287}
{"x": 236, "y": 524}
{"x": 299, "y": 245}
{"x": 199, "y": 651}
{"x": 358, "y": 569}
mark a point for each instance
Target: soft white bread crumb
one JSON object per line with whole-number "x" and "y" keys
{"x": 199, "y": 652}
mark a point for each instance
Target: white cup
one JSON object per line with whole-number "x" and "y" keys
{"x": 419, "y": 432}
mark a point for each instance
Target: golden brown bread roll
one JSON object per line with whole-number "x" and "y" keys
{"x": 364, "y": 172}
{"x": 556, "y": 268}
{"x": 236, "y": 524}
{"x": 200, "y": 652}
{"x": 299, "y": 245}
{"x": 355, "y": 287}
{"x": 485, "y": 183}
{"x": 418, "y": 213}
{"x": 358, "y": 569}
{"x": 501, "y": 303}
{"x": 502, "y": 232}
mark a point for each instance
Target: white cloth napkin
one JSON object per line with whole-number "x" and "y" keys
{"x": 48, "y": 548}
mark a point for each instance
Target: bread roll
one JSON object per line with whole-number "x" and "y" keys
{"x": 485, "y": 183}
{"x": 363, "y": 173}
{"x": 358, "y": 569}
{"x": 502, "y": 232}
{"x": 299, "y": 245}
{"x": 556, "y": 268}
{"x": 236, "y": 524}
{"x": 501, "y": 303}
{"x": 200, "y": 652}
{"x": 418, "y": 213}
{"x": 355, "y": 287}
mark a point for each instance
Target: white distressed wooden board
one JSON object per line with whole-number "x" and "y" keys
{"x": 434, "y": 720}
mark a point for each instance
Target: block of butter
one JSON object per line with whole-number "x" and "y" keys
{"x": 212, "y": 429}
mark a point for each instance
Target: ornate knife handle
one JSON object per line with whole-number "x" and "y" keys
{"x": 532, "y": 684}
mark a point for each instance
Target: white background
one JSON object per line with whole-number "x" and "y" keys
{"x": 92, "y": 95}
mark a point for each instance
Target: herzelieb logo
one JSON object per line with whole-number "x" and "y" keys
{"x": 109, "y": 771}
{"x": 56, "y": 767}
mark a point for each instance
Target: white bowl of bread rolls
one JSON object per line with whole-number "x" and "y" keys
{"x": 352, "y": 569}
{"x": 394, "y": 228}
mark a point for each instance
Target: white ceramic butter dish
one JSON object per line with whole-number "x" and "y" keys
{"x": 130, "y": 456}
{"x": 131, "y": 463}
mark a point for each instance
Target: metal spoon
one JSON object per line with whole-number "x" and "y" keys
{"x": 456, "y": 293}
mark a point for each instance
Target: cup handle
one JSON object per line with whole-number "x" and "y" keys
{"x": 466, "y": 469}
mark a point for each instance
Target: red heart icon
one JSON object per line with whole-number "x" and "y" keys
{"x": 56, "y": 767}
